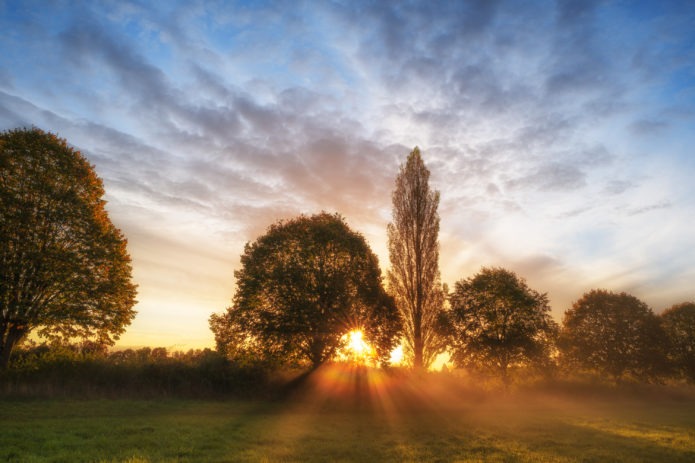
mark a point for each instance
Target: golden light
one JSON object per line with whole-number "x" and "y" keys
{"x": 397, "y": 355}
{"x": 356, "y": 349}
{"x": 356, "y": 343}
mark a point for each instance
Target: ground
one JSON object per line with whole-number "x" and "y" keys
{"x": 352, "y": 414}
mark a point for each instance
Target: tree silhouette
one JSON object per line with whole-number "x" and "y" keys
{"x": 497, "y": 322}
{"x": 679, "y": 324}
{"x": 615, "y": 334}
{"x": 301, "y": 286}
{"x": 64, "y": 268}
{"x": 413, "y": 242}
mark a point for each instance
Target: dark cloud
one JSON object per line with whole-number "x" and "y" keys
{"x": 648, "y": 127}
{"x": 575, "y": 212}
{"x": 6, "y": 80}
{"x": 87, "y": 45}
{"x": 650, "y": 207}
{"x": 538, "y": 265}
{"x": 16, "y": 112}
{"x": 579, "y": 58}
{"x": 13, "y": 111}
{"x": 398, "y": 32}
{"x": 552, "y": 177}
{"x": 595, "y": 156}
{"x": 616, "y": 187}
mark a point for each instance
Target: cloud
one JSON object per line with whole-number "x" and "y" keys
{"x": 648, "y": 127}
{"x": 650, "y": 207}
{"x": 542, "y": 123}
{"x": 616, "y": 187}
{"x": 552, "y": 177}
{"x": 6, "y": 80}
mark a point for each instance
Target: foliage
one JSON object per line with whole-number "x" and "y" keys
{"x": 64, "y": 268}
{"x": 301, "y": 286}
{"x": 614, "y": 334}
{"x": 80, "y": 370}
{"x": 498, "y": 322}
{"x": 679, "y": 324}
{"x": 414, "y": 279}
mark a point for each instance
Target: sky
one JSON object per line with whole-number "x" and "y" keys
{"x": 560, "y": 134}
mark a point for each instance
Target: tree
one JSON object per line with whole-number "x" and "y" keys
{"x": 498, "y": 322}
{"x": 614, "y": 334}
{"x": 301, "y": 287}
{"x": 64, "y": 267}
{"x": 414, "y": 279}
{"x": 679, "y": 325}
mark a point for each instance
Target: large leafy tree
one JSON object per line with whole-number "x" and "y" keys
{"x": 414, "y": 280}
{"x": 614, "y": 334}
{"x": 496, "y": 322}
{"x": 301, "y": 287}
{"x": 679, "y": 324}
{"x": 64, "y": 267}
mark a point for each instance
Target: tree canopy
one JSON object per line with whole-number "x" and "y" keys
{"x": 303, "y": 285}
{"x": 64, "y": 267}
{"x": 497, "y": 322}
{"x": 679, "y": 323}
{"x": 413, "y": 241}
{"x": 615, "y": 334}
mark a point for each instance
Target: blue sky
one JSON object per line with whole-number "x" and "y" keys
{"x": 559, "y": 134}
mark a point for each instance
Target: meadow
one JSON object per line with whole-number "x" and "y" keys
{"x": 347, "y": 413}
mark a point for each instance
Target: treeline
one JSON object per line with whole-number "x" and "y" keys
{"x": 301, "y": 286}
{"x": 309, "y": 280}
{"x": 90, "y": 370}
{"x": 492, "y": 326}
{"x": 497, "y": 325}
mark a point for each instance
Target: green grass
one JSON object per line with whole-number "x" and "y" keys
{"x": 340, "y": 416}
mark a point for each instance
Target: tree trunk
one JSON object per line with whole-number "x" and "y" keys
{"x": 418, "y": 361}
{"x": 4, "y": 355}
{"x": 504, "y": 366}
{"x": 10, "y": 336}
{"x": 317, "y": 354}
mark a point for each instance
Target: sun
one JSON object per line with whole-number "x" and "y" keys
{"x": 397, "y": 356}
{"x": 356, "y": 343}
{"x": 356, "y": 349}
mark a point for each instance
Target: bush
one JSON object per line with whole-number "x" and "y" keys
{"x": 68, "y": 370}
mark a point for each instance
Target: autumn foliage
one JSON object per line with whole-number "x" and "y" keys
{"x": 64, "y": 268}
{"x": 303, "y": 285}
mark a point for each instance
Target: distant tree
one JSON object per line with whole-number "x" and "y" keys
{"x": 301, "y": 287}
{"x": 614, "y": 334}
{"x": 498, "y": 322}
{"x": 235, "y": 338}
{"x": 64, "y": 268}
{"x": 679, "y": 324}
{"x": 414, "y": 279}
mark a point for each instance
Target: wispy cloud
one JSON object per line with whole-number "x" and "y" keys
{"x": 557, "y": 131}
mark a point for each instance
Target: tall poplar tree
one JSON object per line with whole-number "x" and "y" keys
{"x": 414, "y": 279}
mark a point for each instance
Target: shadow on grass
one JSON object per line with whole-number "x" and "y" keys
{"x": 362, "y": 415}
{"x": 350, "y": 413}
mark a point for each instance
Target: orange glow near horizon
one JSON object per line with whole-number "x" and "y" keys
{"x": 356, "y": 342}
{"x": 397, "y": 355}
{"x": 357, "y": 350}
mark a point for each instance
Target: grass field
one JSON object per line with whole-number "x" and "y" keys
{"x": 348, "y": 415}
